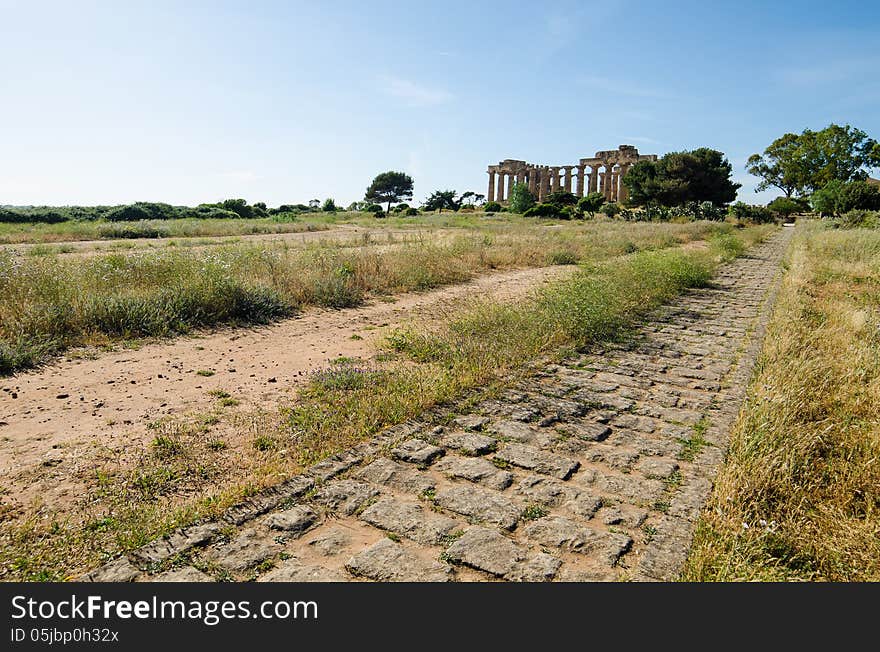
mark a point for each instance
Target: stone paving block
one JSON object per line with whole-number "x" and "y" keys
{"x": 387, "y": 561}
{"x": 627, "y": 487}
{"x": 475, "y": 469}
{"x": 546, "y": 491}
{"x": 585, "y": 504}
{"x": 417, "y": 451}
{"x": 597, "y": 400}
{"x": 537, "y": 460}
{"x": 481, "y": 505}
{"x": 333, "y": 466}
{"x": 248, "y": 549}
{"x": 118, "y": 570}
{"x": 588, "y": 431}
{"x": 185, "y": 574}
{"x": 396, "y": 476}
{"x": 540, "y": 568}
{"x": 345, "y": 496}
{"x": 469, "y": 443}
{"x": 614, "y": 456}
{"x": 657, "y": 467}
{"x": 487, "y": 550}
{"x": 176, "y": 543}
{"x": 634, "y": 422}
{"x": 293, "y": 570}
{"x": 294, "y": 521}
{"x": 690, "y": 498}
{"x": 330, "y": 541}
{"x": 471, "y": 421}
{"x": 560, "y": 532}
{"x": 509, "y": 411}
{"x": 515, "y": 431}
{"x": 623, "y": 515}
{"x": 409, "y": 519}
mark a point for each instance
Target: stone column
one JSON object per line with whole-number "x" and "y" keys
{"x": 604, "y": 182}
{"x": 533, "y": 181}
{"x": 545, "y": 182}
{"x": 594, "y": 178}
{"x": 567, "y": 179}
{"x": 500, "y": 191}
{"x": 579, "y": 191}
{"x": 490, "y": 194}
{"x": 622, "y": 192}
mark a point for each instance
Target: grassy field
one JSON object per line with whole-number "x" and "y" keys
{"x": 188, "y": 473}
{"x": 49, "y": 303}
{"x": 799, "y": 496}
{"x": 190, "y": 228}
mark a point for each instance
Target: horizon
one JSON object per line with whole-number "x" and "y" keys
{"x": 284, "y": 103}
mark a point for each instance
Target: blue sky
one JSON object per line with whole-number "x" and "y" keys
{"x": 282, "y": 102}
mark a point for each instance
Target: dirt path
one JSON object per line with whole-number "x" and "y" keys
{"x": 56, "y": 421}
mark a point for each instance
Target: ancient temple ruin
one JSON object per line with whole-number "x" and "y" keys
{"x": 606, "y": 169}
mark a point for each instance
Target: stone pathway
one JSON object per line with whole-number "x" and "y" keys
{"x": 589, "y": 471}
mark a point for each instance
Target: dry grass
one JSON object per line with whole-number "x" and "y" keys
{"x": 799, "y": 496}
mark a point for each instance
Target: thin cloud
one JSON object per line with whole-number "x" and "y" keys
{"x": 413, "y": 94}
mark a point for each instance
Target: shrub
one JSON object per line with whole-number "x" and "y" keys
{"x": 591, "y": 203}
{"x": 492, "y": 207}
{"x": 610, "y": 209}
{"x": 561, "y": 198}
{"x": 857, "y": 219}
{"x": 748, "y": 212}
{"x": 415, "y": 211}
{"x": 545, "y": 210}
{"x": 400, "y": 208}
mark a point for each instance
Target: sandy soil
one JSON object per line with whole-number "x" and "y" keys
{"x": 56, "y": 422}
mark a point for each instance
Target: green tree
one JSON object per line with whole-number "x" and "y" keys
{"x": 390, "y": 188}
{"x": 521, "y": 199}
{"x": 700, "y": 175}
{"x": 591, "y": 203}
{"x": 441, "y": 200}
{"x": 784, "y": 207}
{"x": 838, "y": 197}
{"x": 780, "y": 166}
{"x": 804, "y": 163}
{"x": 492, "y": 207}
{"x": 329, "y": 205}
